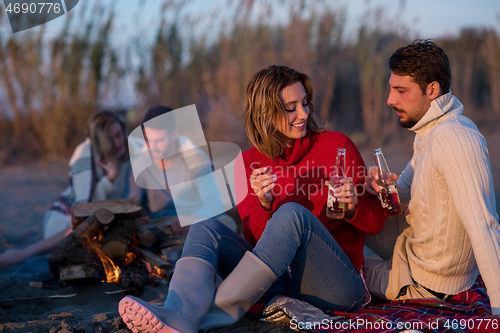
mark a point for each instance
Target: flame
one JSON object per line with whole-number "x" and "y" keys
{"x": 154, "y": 273}
{"x": 113, "y": 272}
{"x": 158, "y": 272}
{"x": 129, "y": 257}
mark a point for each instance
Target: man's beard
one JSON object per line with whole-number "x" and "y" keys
{"x": 408, "y": 123}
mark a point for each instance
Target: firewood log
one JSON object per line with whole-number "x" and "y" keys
{"x": 117, "y": 239}
{"x": 122, "y": 208}
{"x": 83, "y": 256}
{"x": 57, "y": 259}
{"x": 82, "y": 273}
{"x": 144, "y": 235}
{"x": 91, "y": 227}
{"x": 133, "y": 279}
{"x": 163, "y": 239}
{"x": 77, "y": 256}
{"x": 153, "y": 259}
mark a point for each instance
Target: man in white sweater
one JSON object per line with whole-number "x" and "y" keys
{"x": 453, "y": 232}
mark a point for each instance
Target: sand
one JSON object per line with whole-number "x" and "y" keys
{"x": 26, "y": 192}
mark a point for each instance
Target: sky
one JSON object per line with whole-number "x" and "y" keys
{"x": 426, "y": 18}
{"x": 139, "y": 20}
{"x": 433, "y": 18}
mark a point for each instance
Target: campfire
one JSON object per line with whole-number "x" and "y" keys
{"x": 108, "y": 245}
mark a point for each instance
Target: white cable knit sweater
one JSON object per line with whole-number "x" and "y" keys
{"x": 454, "y": 227}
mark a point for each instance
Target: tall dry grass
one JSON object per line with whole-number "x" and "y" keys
{"x": 52, "y": 86}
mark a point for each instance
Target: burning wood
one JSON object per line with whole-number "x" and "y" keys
{"x": 108, "y": 245}
{"x": 144, "y": 235}
{"x": 91, "y": 227}
{"x": 117, "y": 240}
{"x": 82, "y": 273}
{"x": 134, "y": 278}
{"x": 154, "y": 260}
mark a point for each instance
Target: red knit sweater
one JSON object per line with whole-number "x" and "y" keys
{"x": 301, "y": 172}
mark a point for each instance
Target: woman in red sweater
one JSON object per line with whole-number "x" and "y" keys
{"x": 291, "y": 248}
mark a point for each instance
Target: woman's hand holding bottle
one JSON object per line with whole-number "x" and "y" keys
{"x": 345, "y": 192}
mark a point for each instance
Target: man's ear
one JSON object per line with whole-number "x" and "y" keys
{"x": 433, "y": 90}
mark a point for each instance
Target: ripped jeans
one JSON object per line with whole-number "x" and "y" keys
{"x": 321, "y": 273}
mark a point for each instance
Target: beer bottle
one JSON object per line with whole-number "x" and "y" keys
{"x": 389, "y": 196}
{"x": 334, "y": 208}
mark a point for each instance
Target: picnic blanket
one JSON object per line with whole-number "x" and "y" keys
{"x": 468, "y": 311}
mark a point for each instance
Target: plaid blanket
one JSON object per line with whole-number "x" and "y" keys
{"x": 468, "y": 311}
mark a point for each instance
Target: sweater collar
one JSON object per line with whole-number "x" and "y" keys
{"x": 439, "y": 107}
{"x": 293, "y": 154}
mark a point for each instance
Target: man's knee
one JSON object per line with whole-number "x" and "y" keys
{"x": 377, "y": 276}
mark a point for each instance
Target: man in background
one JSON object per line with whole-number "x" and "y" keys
{"x": 176, "y": 156}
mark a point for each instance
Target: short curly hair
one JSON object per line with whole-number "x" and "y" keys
{"x": 425, "y": 62}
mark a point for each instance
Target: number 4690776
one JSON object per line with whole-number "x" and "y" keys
{"x": 472, "y": 323}
{"x": 33, "y": 7}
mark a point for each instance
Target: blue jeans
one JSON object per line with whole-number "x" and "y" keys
{"x": 321, "y": 273}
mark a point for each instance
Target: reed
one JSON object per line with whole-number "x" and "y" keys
{"x": 50, "y": 87}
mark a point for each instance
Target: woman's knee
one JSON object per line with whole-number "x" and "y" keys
{"x": 204, "y": 225}
{"x": 202, "y": 239}
{"x": 208, "y": 226}
{"x": 293, "y": 214}
{"x": 291, "y": 207}
{"x": 351, "y": 297}
{"x": 291, "y": 211}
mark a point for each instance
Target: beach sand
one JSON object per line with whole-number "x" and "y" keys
{"x": 28, "y": 190}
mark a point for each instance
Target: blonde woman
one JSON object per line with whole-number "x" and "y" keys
{"x": 99, "y": 170}
{"x": 290, "y": 247}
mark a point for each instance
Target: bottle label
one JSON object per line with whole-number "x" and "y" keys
{"x": 390, "y": 200}
{"x": 386, "y": 204}
{"x": 331, "y": 199}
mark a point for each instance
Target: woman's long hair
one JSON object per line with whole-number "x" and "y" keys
{"x": 264, "y": 109}
{"x": 97, "y": 131}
